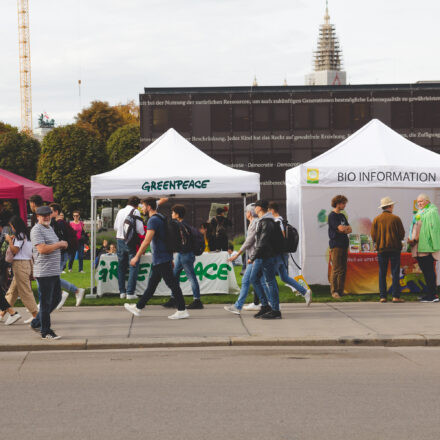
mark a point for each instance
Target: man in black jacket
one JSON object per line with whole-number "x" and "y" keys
{"x": 264, "y": 256}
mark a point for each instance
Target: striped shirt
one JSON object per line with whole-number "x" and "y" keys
{"x": 47, "y": 265}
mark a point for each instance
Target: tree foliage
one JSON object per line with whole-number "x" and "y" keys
{"x": 69, "y": 156}
{"x": 102, "y": 118}
{"x": 18, "y": 152}
{"x": 129, "y": 112}
{"x": 123, "y": 145}
{"x": 5, "y": 128}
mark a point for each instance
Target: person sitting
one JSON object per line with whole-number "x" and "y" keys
{"x": 101, "y": 251}
{"x": 112, "y": 249}
{"x": 203, "y": 229}
{"x": 232, "y": 253}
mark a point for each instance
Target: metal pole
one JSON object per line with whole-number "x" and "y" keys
{"x": 244, "y": 216}
{"x": 92, "y": 249}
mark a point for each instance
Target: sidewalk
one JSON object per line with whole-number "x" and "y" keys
{"x": 321, "y": 324}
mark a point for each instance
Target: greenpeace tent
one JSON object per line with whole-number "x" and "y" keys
{"x": 17, "y": 187}
{"x": 372, "y": 163}
{"x": 171, "y": 167}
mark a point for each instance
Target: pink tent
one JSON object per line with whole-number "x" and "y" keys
{"x": 13, "y": 186}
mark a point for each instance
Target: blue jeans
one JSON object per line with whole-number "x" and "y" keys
{"x": 125, "y": 254}
{"x": 282, "y": 262}
{"x": 258, "y": 283}
{"x": 256, "y": 277}
{"x": 50, "y": 290}
{"x": 80, "y": 257}
{"x": 65, "y": 285}
{"x": 394, "y": 258}
{"x": 185, "y": 261}
{"x": 267, "y": 265}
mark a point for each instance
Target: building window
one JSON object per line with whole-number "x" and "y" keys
{"x": 301, "y": 118}
{"x": 281, "y": 117}
{"x": 261, "y": 117}
{"x": 240, "y": 118}
{"x": 160, "y": 120}
{"x": 341, "y": 116}
{"x": 400, "y": 115}
{"x": 321, "y": 116}
{"x": 361, "y": 114}
{"x": 220, "y": 118}
{"x": 180, "y": 118}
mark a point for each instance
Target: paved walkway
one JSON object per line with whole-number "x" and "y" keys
{"x": 370, "y": 324}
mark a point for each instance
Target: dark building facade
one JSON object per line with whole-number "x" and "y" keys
{"x": 272, "y": 129}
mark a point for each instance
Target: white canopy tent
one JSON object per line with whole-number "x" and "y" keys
{"x": 370, "y": 164}
{"x": 170, "y": 167}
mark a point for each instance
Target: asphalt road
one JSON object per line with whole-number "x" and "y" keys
{"x": 222, "y": 393}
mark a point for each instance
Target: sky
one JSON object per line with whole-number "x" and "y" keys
{"x": 116, "y": 48}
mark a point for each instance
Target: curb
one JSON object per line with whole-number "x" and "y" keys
{"x": 84, "y": 344}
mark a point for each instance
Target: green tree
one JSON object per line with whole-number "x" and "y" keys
{"x": 129, "y": 112}
{"x": 102, "y": 118}
{"x": 19, "y": 153}
{"x": 69, "y": 156}
{"x": 4, "y": 127}
{"x": 123, "y": 145}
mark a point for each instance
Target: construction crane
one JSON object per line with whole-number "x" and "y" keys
{"x": 25, "y": 65}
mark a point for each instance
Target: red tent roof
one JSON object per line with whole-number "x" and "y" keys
{"x": 29, "y": 187}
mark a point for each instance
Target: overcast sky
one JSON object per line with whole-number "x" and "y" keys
{"x": 118, "y": 47}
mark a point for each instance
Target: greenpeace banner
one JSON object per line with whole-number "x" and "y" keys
{"x": 214, "y": 273}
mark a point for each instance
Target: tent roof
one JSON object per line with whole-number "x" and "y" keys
{"x": 172, "y": 158}
{"x": 29, "y": 187}
{"x": 10, "y": 189}
{"x": 376, "y": 144}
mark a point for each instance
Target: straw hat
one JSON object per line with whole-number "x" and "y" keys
{"x": 386, "y": 201}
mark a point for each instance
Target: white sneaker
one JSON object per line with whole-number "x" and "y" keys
{"x": 70, "y": 270}
{"x": 64, "y": 296}
{"x": 132, "y": 309}
{"x": 122, "y": 295}
{"x": 29, "y": 320}
{"x": 79, "y": 297}
{"x": 232, "y": 309}
{"x": 180, "y": 314}
{"x": 252, "y": 307}
{"x": 63, "y": 271}
{"x": 13, "y": 318}
{"x": 82, "y": 271}
{"x": 131, "y": 297}
{"x": 308, "y": 297}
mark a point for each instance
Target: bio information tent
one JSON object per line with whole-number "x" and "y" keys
{"x": 370, "y": 164}
{"x": 171, "y": 167}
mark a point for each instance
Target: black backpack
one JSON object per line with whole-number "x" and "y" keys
{"x": 291, "y": 238}
{"x": 131, "y": 237}
{"x": 277, "y": 238}
{"x": 197, "y": 241}
{"x": 72, "y": 239}
{"x": 173, "y": 237}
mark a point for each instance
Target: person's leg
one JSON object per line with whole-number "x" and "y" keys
{"x": 427, "y": 266}
{"x": 80, "y": 257}
{"x": 43, "y": 318}
{"x": 255, "y": 279}
{"x": 22, "y": 271}
{"x": 282, "y": 269}
{"x": 166, "y": 270}
{"x": 4, "y": 305}
{"x": 245, "y": 284}
{"x": 382, "y": 259}
{"x": 187, "y": 260}
{"x": 55, "y": 294}
{"x": 132, "y": 273}
{"x": 395, "y": 273}
{"x": 270, "y": 275}
{"x": 71, "y": 259}
{"x": 339, "y": 268}
{"x": 153, "y": 282}
{"x": 12, "y": 293}
{"x": 122, "y": 253}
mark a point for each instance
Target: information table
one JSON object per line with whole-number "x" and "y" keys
{"x": 363, "y": 274}
{"x": 214, "y": 273}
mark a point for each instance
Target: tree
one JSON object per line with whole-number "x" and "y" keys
{"x": 19, "y": 152}
{"x": 129, "y": 112}
{"x": 69, "y": 156}
{"x": 4, "y": 127}
{"x": 101, "y": 118}
{"x": 123, "y": 145}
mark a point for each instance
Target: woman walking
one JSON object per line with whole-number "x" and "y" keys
{"x": 78, "y": 226}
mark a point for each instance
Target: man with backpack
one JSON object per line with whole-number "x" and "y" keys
{"x": 65, "y": 232}
{"x": 187, "y": 237}
{"x": 158, "y": 235}
{"x": 282, "y": 262}
{"x": 269, "y": 243}
{"x": 128, "y": 224}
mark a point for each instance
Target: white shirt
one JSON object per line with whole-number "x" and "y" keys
{"x": 25, "y": 252}
{"x": 120, "y": 219}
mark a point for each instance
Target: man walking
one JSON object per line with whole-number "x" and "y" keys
{"x": 47, "y": 262}
{"x": 338, "y": 230}
{"x": 264, "y": 257}
{"x": 387, "y": 232}
{"x": 126, "y": 251}
{"x": 162, "y": 263}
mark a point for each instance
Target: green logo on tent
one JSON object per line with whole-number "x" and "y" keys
{"x": 167, "y": 185}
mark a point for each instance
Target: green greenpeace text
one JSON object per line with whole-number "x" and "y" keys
{"x": 168, "y": 185}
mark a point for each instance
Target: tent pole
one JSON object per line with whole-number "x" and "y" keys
{"x": 244, "y": 215}
{"x": 92, "y": 249}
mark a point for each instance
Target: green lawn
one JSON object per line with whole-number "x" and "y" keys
{"x": 320, "y": 293}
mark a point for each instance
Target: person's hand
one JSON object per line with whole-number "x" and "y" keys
{"x": 63, "y": 244}
{"x": 231, "y": 259}
{"x": 9, "y": 238}
{"x": 249, "y": 261}
{"x": 134, "y": 261}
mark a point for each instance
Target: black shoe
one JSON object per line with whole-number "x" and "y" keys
{"x": 429, "y": 299}
{"x": 263, "y": 311}
{"x": 170, "y": 304}
{"x": 273, "y": 314}
{"x": 35, "y": 329}
{"x": 196, "y": 304}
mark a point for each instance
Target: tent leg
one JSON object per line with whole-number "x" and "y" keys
{"x": 92, "y": 249}
{"x": 244, "y": 215}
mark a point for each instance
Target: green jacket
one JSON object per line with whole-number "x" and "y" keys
{"x": 429, "y": 239}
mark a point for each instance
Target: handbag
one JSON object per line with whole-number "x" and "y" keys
{"x": 9, "y": 256}
{"x": 84, "y": 239}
